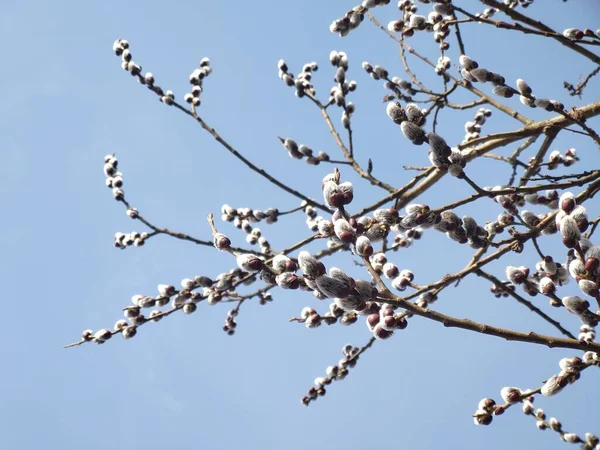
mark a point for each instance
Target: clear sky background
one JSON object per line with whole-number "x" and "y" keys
{"x": 183, "y": 383}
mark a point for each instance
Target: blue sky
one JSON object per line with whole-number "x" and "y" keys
{"x": 183, "y": 382}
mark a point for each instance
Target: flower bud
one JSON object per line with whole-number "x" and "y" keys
{"x": 395, "y": 112}
{"x": 248, "y": 262}
{"x": 336, "y": 195}
{"x": 414, "y": 114}
{"x": 553, "y": 385}
{"x": 482, "y": 417}
{"x": 523, "y": 87}
{"x": 380, "y": 333}
{"x": 221, "y": 242}
{"x": 407, "y": 274}
{"x": 333, "y": 287}
{"x": 400, "y": 283}
{"x": 413, "y": 132}
{"x": 547, "y": 286}
{"x": 438, "y": 145}
{"x": 166, "y": 290}
{"x": 395, "y": 26}
{"x": 363, "y": 246}
{"x": 570, "y": 365}
{"x": 325, "y": 228}
{"x": 567, "y": 202}
{"x": 571, "y": 438}
{"x": 343, "y": 230}
{"x": 118, "y": 194}
{"x": 486, "y": 404}
{"x": 313, "y": 321}
{"x": 389, "y": 323}
{"x": 189, "y": 308}
{"x": 569, "y": 231}
{"x": 573, "y": 34}
{"x": 102, "y": 335}
{"x": 129, "y": 332}
{"x": 503, "y": 91}
{"x": 481, "y": 75}
{"x": 527, "y": 407}
{"x": 516, "y": 275}
{"x": 575, "y": 305}
{"x": 588, "y": 287}
{"x": 467, "y": 62}
{"x": 544, "y": 103}
{"x": 390, "y": 271}
{"x": 309, "y": 265}
{"x": 510, "y": 395}
{"x": 287, "y": 280}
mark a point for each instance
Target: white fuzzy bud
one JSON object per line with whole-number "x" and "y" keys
{"x": 129, "y": 332}
{"x": 413, "y": 132}
{"x": 363, "y": 246}
{"x": 553, "y": 386}
{"x": 309, "y": 265}
{"x": 166, "y": 290}
{"x": 287, "y": 280}
{"x": 333, "y": 287}
{"x": 575, "y": 305}
{"x": 467, "y": 62}
{"x": 571, "y": 438}
{"x": 588, "y": 287}
{"x": 187, "y": 284}
{"x": 573, "y": 33}
{"x": 248, "y": 262}
{"x": 343, "y": 230}
{"x": 569, "y": 229}
{"x": 510, "y": 395}
{"x": 395, "y": 112}
{"x": 102, "y": 335}
{"x": 516, "y": 275}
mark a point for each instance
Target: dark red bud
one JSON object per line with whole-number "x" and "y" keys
{"x": 569, "y": 242}
{"x": 346, "y": 237}
{"x": 382, "y": 333}
{"x": 592, "y": 264}
{"x": 348, "y": 196}
{"x": 336, "y": 199}
{"x": 389, "y": 322}
{"x": 223, "y": 243}
{"x": 514, "y": 396}
{"x": 290, "y": 266}
{"x": 373, "y": 319}
{"x": 567, "y": 205}
{"x": 486, "y": 420}
{"x": 489, "y": 403}
{"x": 387, "y": 312}
{"x": 321, "y": 268}
{"x": 401, "y": 323}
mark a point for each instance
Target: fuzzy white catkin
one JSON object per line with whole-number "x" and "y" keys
{"x": 308, "y": 264}
{"x": 394, "y": 112}
{"x": 569, "y": 228}
{"x": 552, "y": 386}
{"x": 332, "y": 287}
{"x": 509, "y": 394}
{"x": 571, "y": 438}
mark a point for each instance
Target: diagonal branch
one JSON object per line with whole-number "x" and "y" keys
{"x": 246, "y": 161}
{"x": 525, "y": 302}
